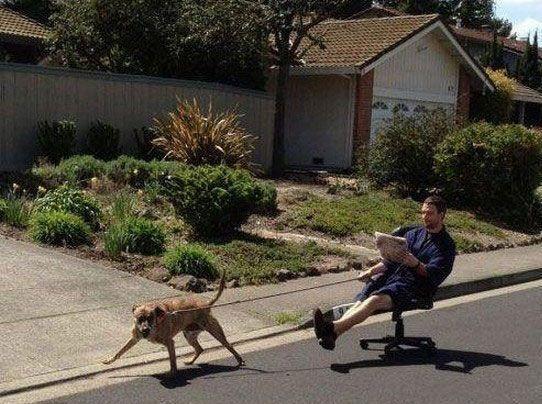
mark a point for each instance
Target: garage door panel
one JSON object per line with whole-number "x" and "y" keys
{"x": 384, "y": 108}
{"x": 318, "y": 121}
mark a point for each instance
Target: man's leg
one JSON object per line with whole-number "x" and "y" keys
{"x": 361, "y": 311}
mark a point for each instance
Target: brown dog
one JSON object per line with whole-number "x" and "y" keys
{"x": 157, "y": 322}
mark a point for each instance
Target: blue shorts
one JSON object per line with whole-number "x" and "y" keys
{"x": 400, "y": 290}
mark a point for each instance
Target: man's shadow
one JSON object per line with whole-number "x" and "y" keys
{"x": 443, "y": 359}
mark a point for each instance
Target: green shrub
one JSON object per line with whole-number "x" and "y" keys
{"x": 495, "y": 106}
{"x": 3, "y": 208}
{"x": 146, "y": 150}
{"x": 402, "y": 155}
{"x": 216, "y": 200}
{"x": 495, "y": 168}
{"x": 191, "y": 259}
{"x": 71, "y": 200}
{"x": 128, "y": 170}
{"x": 123, "y": 206}
{"x": 59, "y": 228}
{"x": 15, "y": 212}
{"x": 57, "y": 140}
{"x": 79, "y": 169}
{"x": 102, "y": 141}
{"x": 135, "y": 235}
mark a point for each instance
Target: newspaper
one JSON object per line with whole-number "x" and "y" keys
{"x": 391, "y": 247}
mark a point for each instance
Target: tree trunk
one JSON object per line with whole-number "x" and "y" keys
{"x": 280, "y": 116}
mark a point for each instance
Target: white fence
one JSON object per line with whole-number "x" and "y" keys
{"x": 29, "y": 94}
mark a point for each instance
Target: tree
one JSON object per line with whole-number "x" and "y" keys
{"x": 529, "y": 72}
{"x": 352, "y": 7}
{"x": 210, "y": 40}
{"x": 494, "y": 55}
{"x": 39, "y": 10}
{"x": 470, "y": 13}
{"x": 289, "y": 23}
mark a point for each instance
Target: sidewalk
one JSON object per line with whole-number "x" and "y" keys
{"x": 59, "y": 315}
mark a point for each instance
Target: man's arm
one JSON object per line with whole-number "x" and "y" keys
{"x": 374, "y": 270}
{"x": 436, "y": 270}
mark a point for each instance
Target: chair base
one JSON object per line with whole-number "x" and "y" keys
{"x": 394, "y": 343}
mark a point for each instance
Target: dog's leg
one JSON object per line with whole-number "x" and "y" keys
{"x": 170, "y": 344}
{"x": 129, "y": 344}
{"x": 213, "y": 327}
{"x": 192, "y": 339}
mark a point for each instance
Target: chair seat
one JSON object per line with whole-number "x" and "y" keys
{"x": 417, "y": 304}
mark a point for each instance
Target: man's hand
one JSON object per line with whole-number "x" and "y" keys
{"x": 365, "y": 276}
{"x": 409, "y": 260}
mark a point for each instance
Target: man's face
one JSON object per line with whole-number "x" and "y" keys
{"x": 432, "y": 220}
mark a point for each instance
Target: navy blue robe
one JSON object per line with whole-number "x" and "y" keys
{"x": 401, "y": 283}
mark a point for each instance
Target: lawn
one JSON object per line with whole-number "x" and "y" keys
{"x": 253, "y": 260}
{"x": 349, "y": 215}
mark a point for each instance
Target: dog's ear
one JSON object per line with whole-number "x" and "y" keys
{"x": 159, "y": 312}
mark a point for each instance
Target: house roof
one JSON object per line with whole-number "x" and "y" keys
{"x": 14, "y": 25}
{"x": 482, "y": 36}
{"x": 526, "y": 94}
{"x": 359, "y": 42}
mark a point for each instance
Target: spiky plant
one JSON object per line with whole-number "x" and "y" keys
{"x": 193, "y": 137}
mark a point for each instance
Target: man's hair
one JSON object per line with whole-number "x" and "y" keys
{"x": 438, "y": 202}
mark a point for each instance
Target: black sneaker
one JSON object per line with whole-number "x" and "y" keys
{"x": 324, "y": 331}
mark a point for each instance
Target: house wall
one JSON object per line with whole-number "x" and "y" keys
{"x": 423, "y": 71}
{"x": 319, "y": 121}
{"x": 29, "y": 94}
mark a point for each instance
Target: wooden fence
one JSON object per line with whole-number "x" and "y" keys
{"x": 29, "y": 94}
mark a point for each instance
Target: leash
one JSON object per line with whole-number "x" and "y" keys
{"x": 261, "y": 297}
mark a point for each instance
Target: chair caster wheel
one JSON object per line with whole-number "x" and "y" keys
{"x": 364, "y": 344}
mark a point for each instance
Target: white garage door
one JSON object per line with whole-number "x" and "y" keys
{"x": 384, "y": 108}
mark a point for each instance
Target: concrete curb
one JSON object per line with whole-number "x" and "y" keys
{"x": 68, "y": 375}
{"x": 63, "y": 376}
{"x": 460, "y": 289}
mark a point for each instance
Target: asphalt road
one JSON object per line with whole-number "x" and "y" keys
{"x": 489, "y": 351}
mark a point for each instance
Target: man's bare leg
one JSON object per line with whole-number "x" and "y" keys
{"x": 360, "y": 312}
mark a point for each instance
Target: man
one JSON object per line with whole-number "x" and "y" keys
{"x": 416, "y": 273}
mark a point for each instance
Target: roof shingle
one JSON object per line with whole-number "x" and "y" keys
{"x": 359, "y": 42}
{"x": 481, "y": 36}
{"x": 17, "y": 25}
{"x": 526, "y": 94}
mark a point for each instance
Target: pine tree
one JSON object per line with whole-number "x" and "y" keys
{"x": 530, "y": 68}
{"x": 494, "y": 55}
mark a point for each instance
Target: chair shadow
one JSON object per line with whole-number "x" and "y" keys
{"x": 443, "y": 359}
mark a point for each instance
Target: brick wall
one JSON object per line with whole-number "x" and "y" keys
{"x": 463, "y": 96}
{"x": 363, "y": 111}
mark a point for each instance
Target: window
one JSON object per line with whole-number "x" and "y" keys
{"x": 420, "y": 109}
{"x": 400, "y": 108}
{"x": 380, "y": 105}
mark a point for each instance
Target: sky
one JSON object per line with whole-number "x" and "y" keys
{"x": 525, "y": 15}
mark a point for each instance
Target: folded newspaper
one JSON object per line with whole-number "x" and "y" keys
{"x": 391, "y": 247}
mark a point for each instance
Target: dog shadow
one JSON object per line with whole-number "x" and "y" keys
{"x": 186, "y": 374}
{"x": 442, "y": 359}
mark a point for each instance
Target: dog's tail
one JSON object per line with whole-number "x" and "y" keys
{"x": 220, "y": 289}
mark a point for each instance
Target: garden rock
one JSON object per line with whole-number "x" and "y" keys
{"x": 158, "y": 274}
{"x": 284, "y": 274}
{"x": 181, "y": 282}
{"x": 234, "y": 283}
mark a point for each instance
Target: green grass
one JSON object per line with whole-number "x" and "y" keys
{"x": 253, "y": 260}
{"x": 288, "y": 317}
{"x": 378, "y": 211}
